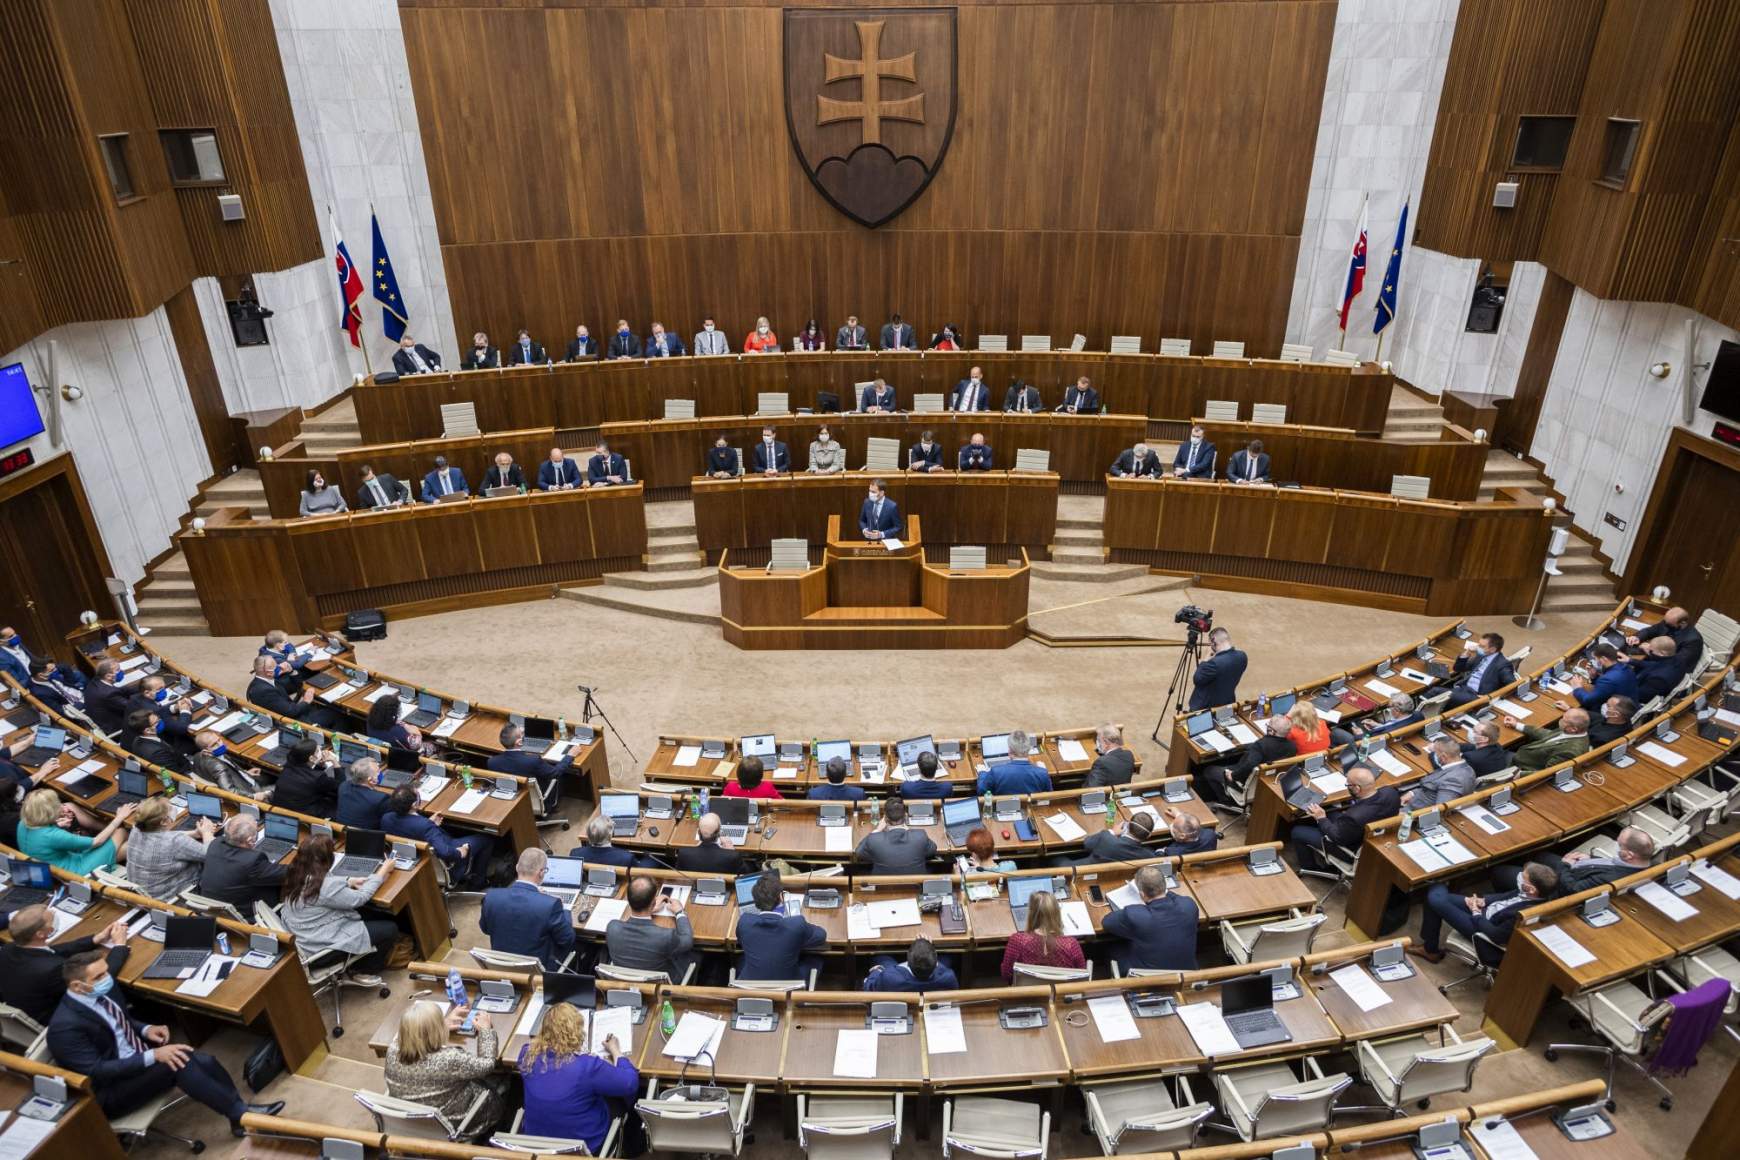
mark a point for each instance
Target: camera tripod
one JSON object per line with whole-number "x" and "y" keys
{"x": 1188, "y": 658}
{"x": 593, "y": 709}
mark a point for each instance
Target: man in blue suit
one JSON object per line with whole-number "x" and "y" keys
{"x": 921, "y": 971}
{"x": 522, "y": 920}
{"x": 525, "y": 352}
{"x": 1613, "y": 678}
{"x": 925, "y": 455}
{"x": 836, "y": 790}
{"x": 1160, "y": 934}
{"x": 1480, "y": 669}
{"x": 771, "y": 457}
{"x": 1216, "y": 679}
{"x": 598, "y": 851}
{"x": 971, "y": 393}
{"x": 467, "y": 859}
{"x": 1017, "y": 775}
{"x": 879, "y": 518}
{"x": 558, "y": 473}
{"x": 605, "y": 467}
{"x": 774, "y": 942}
{"x": 1195, "y": 458}
{"x": 878, "y": 397}
{"x": 1080, "y": 399}
{"x": 15, "y": 658}
{"x": 444, "y": 480}
{"x": 925, "y": 785}
{"x": 55, "y": 695}
{"x": 583, "y": 346}
{"x": 1250, "y": 465}
{"x": 512, "y": 759}
{"x": 662, "y": 345}
{"x": 128, "y": 1061}
{"x": 976, "y": 454}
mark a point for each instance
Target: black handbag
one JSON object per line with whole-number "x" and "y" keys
{"x": 264, "y": 1065}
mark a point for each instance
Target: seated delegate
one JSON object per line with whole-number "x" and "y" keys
{"x": 1250, "y": 465}
{"x": 443, "y": 481}
{"x": 975, "y": 455}
{"x": 1493, "y": 916}
{"x": 826, "y": 456}
{"x": 877, "y": 398}
{"x": 761, "y": 340}
{"x": 925, "y": 455}
{"x": 605, "y": 468}
{"x": 1195, "y": 457}
{"x": 558, "y": 472}
{"x": 320, "y": 498}
{"x": 571, "y": 1092}
{"x": 521, "y": 919}
{"x": 413, "y": 358}
{"x": 1139, "y": 462}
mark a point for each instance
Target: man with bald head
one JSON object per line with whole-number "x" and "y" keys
{"x": 711, "y": 854}
{"x": 1547, "y": 747}
{"x": 1659, "y": 671}
{"x": 1676, "y": 624}
{"x": 1215, "y": 783}
{"x": 1345, "y": 825}
{"x": 31, "y": 970}
{"x": 1451, "y": 778}
{"x": 264, "y": 693}
{"x": 522, "y": 920}
{"x": 236, "y": 873}
{"x": 1613, "y": 859}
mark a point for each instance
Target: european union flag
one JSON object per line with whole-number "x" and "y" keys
{"x": 1386, "y": 306}
{"x": 394, "y": 316}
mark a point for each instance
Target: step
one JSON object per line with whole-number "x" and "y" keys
{"x": 174, "y": 565}
{"x": 651, "y": 581}
{"x": 1080, "y": 523}
{"x": 1078, "y": 556}
{"x": 1580, "y": 581}
{"x": 1575, "y": 603}
{"x": 657, "y": 529}
{"x": 175, "y": 625}
{"x": 1079, "y": 537}
{"x": 167, "y": 587}
{"x": 151, "y": 604}
{"x": 667, "y": 540}
{"x": 683, "y": 562}
{"x": 624, "y": 600}
{"x": 1095, "y": 573}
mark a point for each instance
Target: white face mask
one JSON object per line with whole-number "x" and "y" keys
{"x": 708, "y": 328}
{"x": 761, "y": 330}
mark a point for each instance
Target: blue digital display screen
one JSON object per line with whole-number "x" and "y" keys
{"x": 19, "y": 418}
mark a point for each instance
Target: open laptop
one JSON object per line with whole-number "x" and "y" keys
{"x": 906, "y": 752}
{"x": 363, "y": 851}
{"x": 288, "y": 735}
{"x": 428, "y": 711}
{"x": 404, "y": 766}
{"x": 540, "y": 734}
{"x": 960, "y": 818}
{"x": 31, "y": 884}
{"x": 352, "y": 751}
{"x": 1248, "y": 1006}
{"x": 47, "y": 743}
{"x": 575, "y": 990}
{"x": 826, "y": 751}
{"x": 760, "y": 745}
{"x": 1021, "y": 892}
{"x": 995, "y": 748}
{"x": 278, "y": 836}
{"x": 186, "y": 946}
{"x": 745, "y": 887}
{"x": 733, "y": 816}
{"x": 201, "y": 805}
{"x": 563, "y": 878}
{"x": 1283, "y": 704}
{"x": 623, "y": 810}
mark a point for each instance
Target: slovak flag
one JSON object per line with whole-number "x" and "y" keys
{"x": 350, "y": 286}
{"x": 1355, "y": 265}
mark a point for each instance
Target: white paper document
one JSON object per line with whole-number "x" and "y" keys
{"x": 1216, "y": 740}
{"x": 132, "y": 663}
{"x": 859, "y": 924}
{"x": 1484, "y": 818}
{"x": 1360, "y": 987}
{"x": 1330, "y": 782}
{"x": 943, "y": 1033}
{"x": 1717, "y": 877}
{"x": 1633, "y": 624}
{"x": 1416, "y": 676}
{"x": 897, "y": 912}
{"x": 786, "y": 772}
{"x": 429, "y": 787}
{"x": 1425, "y": 855}
{"x": 695, "y": 1034}
{"x": 1208, "y": 1028}
{"x": 529, "y": 1020}
{"x": 227, "y": 722}
{"x": 1666, "y": 901}
{"x": 1563, "y": 947}
{"x": 468, "y": 801}
{"x": 206, "y": 978}
{"x": 1389, "y": 763}
{"x": 1330, "y": 715}
{"x": 855, "y": 1053}
{"x": 837, "y": 839}
{"x": 376, "y": 693}
{"x": 1728, "y": 717}
{"x": 1125, "y": 895}
{"x": 1500, "y": 1140}
{"x": 1071, "y": 750}
{"x": 1241, "y": 733}
{"x": 22, "y": 1136}
{"x": 1520, "y": 712}
{"x": 1660, "y": 753}
{"x": 1112, "y": 1018}
{"x": 687, "y": 756}
{"x": 1075, "y": 918}
{"x": 1065, "y": 827}
{"x": 893, "y": 545}
{"x": 608, "y": 1021}
{"x": 1382, "y": 688}
{"x": 606, "y": 911}
{"x": 336, "y": 692}
{"x": 448, "y": 727}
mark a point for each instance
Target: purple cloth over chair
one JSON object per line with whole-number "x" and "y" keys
{"x": 1695, "y": 1018}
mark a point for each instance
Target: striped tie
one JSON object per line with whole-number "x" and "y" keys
{"x": 120, "y": 1017}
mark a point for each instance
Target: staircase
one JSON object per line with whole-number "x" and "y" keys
{"x": 1412, "y": 419}
{"x": 333, "y": 430}
{"x": 168, "y": 605}
{"x": 1583, "y": 584}
{"x": 241, "y": 489}
{"x": 677, "y": 582}
{"x": 1078, "y": 550}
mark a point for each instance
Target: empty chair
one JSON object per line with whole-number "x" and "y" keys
{"x": 1228, "y": 349}
{"x": 1267, "y": 1099}
{"x": 1520, "y": 655}
{"x": 1265, "y": 940}
{"x": 1720, "y": 633}
{"x": 995, "y": 1129}
{"x": 679, "y": 408}
{"x": 882, "y": 455}
{"x": 1296, "y": 352}
{"x": 1126, "y": 344}
{"x": 850, "y": 1127}
{"x": 1031, "y": 342}
{"x": 636, "y": 975}
{"x": 1341, "y": 358}
{"x": 1497, "y": 777}
{"x": 405, "y": 1118}
{"x": 789, "y": 556}
{"x": 1221, "y": 411}
{"x": 1026, "y": 973}
{"x": 711, "y": 1126}
{"x": 772, "y": 403}
{"x": 458, "y": 419}
{"x": 1410, "y": 486}
{"x": 1175, "y": 347}
{"x": 994, "y": 342}
{"x": 504, "y": 961}
{"x": 1032, "y": 459}
{"x": 139, "y": 1124}
{"x": 1274, "y": 413}
{"x": 1078, "y": 343}
{"x": 211, "y": 907}
{"x": 17, "y": 1029}
{"x": 927, "y": 403}
{"x": 967, "y": 558}
{"x": 1143, "y": 1116}
{"x": 1414, "y": 1068}
{"x": 1626, "y": 1016}
{"x": 1698, "y": 967}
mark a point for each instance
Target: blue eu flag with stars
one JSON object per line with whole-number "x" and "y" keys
{"x": 394, "y": 316}
{"x": 1386, "y": 304}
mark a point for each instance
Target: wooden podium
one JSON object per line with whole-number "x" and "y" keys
{"x": 866, "y": 595}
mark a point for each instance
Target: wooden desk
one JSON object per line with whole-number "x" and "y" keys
{"x": 816, "y": 1018}
{"x": 1530, "y": 973}
{"x": 1225, "y": 887}
{"x": 255, "y": 575}
{"x": 429, "y": 981}
{"x": 1335, "y": 457}
{"x": 1415, "y": 1003}
{"x": 82, "y": 1130}
{"x": 1163, "y": 1045}
{"x": 1543, "y": 1136}
{"x": 984, "y": 1065}
{"x": 1304, "y": 1018}
{"x": 277, "y": 1138}
{"x": 1421, "y": 556}
{"x": 744, "y": 1056}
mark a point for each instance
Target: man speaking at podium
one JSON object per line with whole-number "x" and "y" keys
{"x": 879, "y": 518}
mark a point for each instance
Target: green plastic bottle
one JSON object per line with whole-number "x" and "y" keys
{"x": 668, "y": 1019}
{"x": 465, "y": 775}
{"x": 1111, "y": 812}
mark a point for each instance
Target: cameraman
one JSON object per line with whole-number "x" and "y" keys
{"x": 1217, "y": 678}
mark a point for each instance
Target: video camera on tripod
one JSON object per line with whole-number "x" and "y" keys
{"x": 1196, "y": 622}
{"x": 1195, "y": 619}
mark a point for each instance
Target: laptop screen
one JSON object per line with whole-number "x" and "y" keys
{"x": 995, "y": 747}
{"x": 620, "y": 805}
{"x": 906, "y": 752}
{"x": 360, "y": 843}
{"x": 133, "y": 782}
{"x": 1283, "y": 704}
{"x": 731, "y": 811}
{"x": 566, "y": 872}
{"x": 204, "y": 805}
{"x": 35, "y": 875}
{"x": 1023, "y": 889}
{"x": 575, "y": 990}
{"x": 960, "y": 812}
{"x": 282, "y": 826}
{"x": 189, "y": 933}
{"x": 746, "y": 888}
{"x": 756, "y": 745}
{"x": 404, "y": 760}
{"x": 429, "y": 702}
{"x": 49, "y": 737}
{"x": 826, "y": 751}
{"x": 1247, "y": 995}
{"x": 540, "y": 728}
{"x": 1198, "y": 723}
{"x": 349, "y": 751}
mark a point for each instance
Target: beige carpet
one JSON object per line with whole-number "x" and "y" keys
{"x": 654, "y": 675}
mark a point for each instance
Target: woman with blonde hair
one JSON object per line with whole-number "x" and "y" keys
{"x": 1310, "y": 733}
{"x": 46, "y": 832}
{"x": 571, "y": 1094}
{"x": 1043, "y": 943}
{"x": 424, "y": 1068}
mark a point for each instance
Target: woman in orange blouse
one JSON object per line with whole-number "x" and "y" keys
{"x": 761, "y": 340}
{"x": 1310, "y": 733}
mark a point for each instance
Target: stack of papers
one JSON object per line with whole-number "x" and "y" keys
{"x": 1065, "y": 827}
{"x": 336, "y": 692}
{"x": 1666, "y": 901}
{"x": 943, "y": 1033}
{"x": 1214, "y": 739}
{"x": 687, "y": 756}
{"x": 1125, "y": 895}
{"x": 448, "y": 727}
{"x": 22, "y": 1136}
{"x": 1563, "y": 947}
{"x": 208, "y": 977}
{"x": 1208, "y": 1028}
{"x": 375, "y": 693}
{"x": 1360, "y": 987}
{"x": 1728, "y": 717}
{"x": 696, "y": 1034}
{"x": 1241, "y": 733}
{"x": 1500, "y": 1140}
{"x": 1717, "y": 877}
{"x": 1633, "y": 624}
{"x": 78, "y": 771}
{"x": 468, "y": 801}
{"x": 1381, "y": 688}
{"x": 1112, "y": 1018}
{"x": 1330, "y": 782}
{"x": 1330, "y": 715}
{"x": 859, "y": 924}
{"x": 1433, "y": 857}
{"x": 837, "y": 839}
{"x": 1075, "y": 918}
{"x": 899, "y": 912}
{"x": 605, "y": 912}
{"x": 855, "y": 1050}
{"x": 1389, "y": 762}
{"x": 892, "y": 545}
{"x": 1072, "y": 751}
{"x": 608, "y": 1021}
{"x": 1511, "y": 708}
{"x": 132, "y": 663}
{"x": 1660, "y": 753}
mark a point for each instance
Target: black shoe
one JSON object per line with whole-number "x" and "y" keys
{"x": 270, "y": 1109}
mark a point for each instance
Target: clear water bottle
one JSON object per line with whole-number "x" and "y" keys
{"x": 706, "y": 797}
{"x": 455, "y": 988}
{"x": 561, "y": 729}
{"x": 1263, "y": 707}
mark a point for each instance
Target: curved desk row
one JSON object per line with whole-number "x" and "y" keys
{"x": 305, "y": 575}
{"x": 1352, "y": 547}
{"x": 591, "y": 393}
{"x": 1339, "y": 458}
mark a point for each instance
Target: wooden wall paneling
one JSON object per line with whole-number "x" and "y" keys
{"x": 388, "y": 546}
{"x": 57, "y": 563}
{"x": 618, "y": 523}
{"x": 20, "y": 313}
{"x": 1517, "y": 419}
{"x": 506, "y": 536}
{"x": 1244, "y": 522}
{"x": 330, "y": 555}
{"x": 1713, "y": 285}
{"x": 447, "y": 541}
{"x": 564, "y": 530}
{"x": 246, "y": 577}
{"x": 222, "y": 443}
{"x": 1364, "y": 525}
{"x": 1689, "y": 537}
{"x": 1304, "y": 526}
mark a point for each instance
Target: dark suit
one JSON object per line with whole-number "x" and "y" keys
{"x": 830, "y": 792}
{"x": 1497, "y": 675}
{"x": 467, "y": 868}
{"x": 975, "y": 457}
{"x": 30, "y": 977}
{"x": 582, "y": 348}
{"x": 898, "y": 337}
{"x": 1205, "y": 841}
{"x": 723, "y": 459}
{"x": 307, "y": 791}
{"x": 1113, "y": 767}
{"x": 623, "y": 345}
{"x": 1216, "y": 680}
{"x": 522, "y": 764}
{"x": 358, "y": 805}
{"x": 1023, "y": 399}
{"x": 1211, "y": 780}
{"x": 1485, "y": 759}
{"x": 553, "y": 475}
{"x": 709, "y": 858}
{"x": 527, "y": 354}
{"x": 1346, "y": 826}
{"x": 240, "y": 877}
{"x": 523, "y": 920}
{"x": 106, "y": 705}
{"x": 456, "y": 485}
{"x": 605, "y": 856}
{"x": 970, "y": 396}
{"x": 1601, "y": 731}
{"x": 887, "y": 521}
{"x": 781, "y": 456}
{"x": 1126, "y": 464}
{"x": 514, "y": 477}
{"x": 488, "y": 360}
{"x": 925, "y": 787}
{"x": 406, "y": 365}
{"x": 1656, "y": 677}
{"x": 1159, "y": 934}
{"x": 81, "y": 1040}
{"x": 1689, "y": 641}
{"x": 147, "y": 747}
{"x": 268, "y": 696}
{"x": 851, "y": 338}
{"x": 672, "y": 348}
{"x": 924, "y": 458}
{"x": 1196, "y": 463}
{"x": 600, "y": 468}
{"x": 773, "y": 945}
{"x": 1238, "y": 468}
{"x": 1107, "y": 846}
{"x": 1079, "y": 401}
{"x": 390, "y": 488}
{"x": 870, "y": 398}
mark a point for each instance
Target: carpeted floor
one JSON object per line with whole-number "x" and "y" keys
{"x": 655, "y": 675}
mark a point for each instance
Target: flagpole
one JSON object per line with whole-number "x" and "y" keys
{"x": 1380, "y": 349}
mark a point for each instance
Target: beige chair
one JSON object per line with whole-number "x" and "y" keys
{"x": 679, "y": 408}
{"x": 117, "y": 875}
{"x": 1720, "y": 632}
{"x": 1126, "y": 344}
{"x": 993, "y": 342}
{"x": 1175, "y": 347}
{"x": 1266, "y": 940}
{"x": 1341, "y": 358}
{"x": 772, "y": 403}
{"x": 406, "y": 1118}
{"x": 927, "y": 403}
{"x": 1626, "y": 1016}
{"x": 789, "y": 555}
{"x": 1032, "y": 459}
{"x": 1029, "y": 973}
{"x": 807, "y": 983}
{"x": 1267, "y": 1099}
{"x": 1221, "y": 411}
{"x": 211, "y": 907}
{"x": 1143, "y": 1115}
{"x": 712, "y": 1127}
{"x": 17, "y": 1029}
{"x": 458, "y": 419}
{"x": 1033, "y": 342}
{"x": 513, "y": 1140}
{"x": 881, "y": 455}
{"x": 139, "y": 1124}
{"x": 1296, "y": 352}
{"x": 1229, "y": 349}
{"x": 1411, "y": 486}
{"x": 967, "y": 558}
{"x": 1412, "y": 1069}
{"x": 634, "y": 975}
{"x": 994, "y": 1129}
{"x": 1698, "y": 967}
{"x": 493, "y": 960}
{"x": 850, "y": 1127}
{"x": 1274, "y": 414}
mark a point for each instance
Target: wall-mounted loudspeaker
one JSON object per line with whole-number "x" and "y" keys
{"x": 1504, "y": 195}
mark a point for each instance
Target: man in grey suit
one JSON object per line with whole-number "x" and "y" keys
{"x": 1453, "y": 777}
{"x": 1114, "y": 763}
{"x": 638, "y": 942}
{"x": 893, "y": 848}
{"x": 1126, "y": 842}
{"x": 897, "y": 335}
{"x": 710, "y": 339}
{"x": 852, "y": 336}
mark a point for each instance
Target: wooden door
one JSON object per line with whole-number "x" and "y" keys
{"x": 55, "y": 562}
{"x": 1693, "y": 543}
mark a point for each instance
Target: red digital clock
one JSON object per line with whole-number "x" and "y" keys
{"x": 15, "y": 461}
